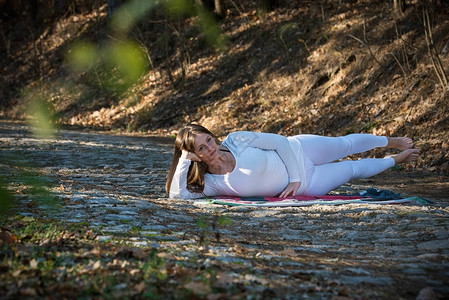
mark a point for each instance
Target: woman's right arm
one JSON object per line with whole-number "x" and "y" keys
{"x": 178, "y": 187}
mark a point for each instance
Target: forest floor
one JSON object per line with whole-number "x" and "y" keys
{"x": 98, "y": 225}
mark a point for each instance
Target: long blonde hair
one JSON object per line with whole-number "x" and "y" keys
{"x": 185, "y": 140}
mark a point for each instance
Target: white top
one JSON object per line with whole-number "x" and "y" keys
{"x": 264, "y": 164}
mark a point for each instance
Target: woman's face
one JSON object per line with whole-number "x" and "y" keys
{"x": 205, "y": 147}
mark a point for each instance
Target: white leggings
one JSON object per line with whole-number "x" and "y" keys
{"x": 323, "y": 151}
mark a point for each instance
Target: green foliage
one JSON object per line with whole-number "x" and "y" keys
{"x": 36, "y": 186}
{"x": 201, "y": 223}
{"x": 117, "y": 65}
{"x": 81, "y": 56}
{"x": 42, "y": 120}
{"x": 178, "y": 8}
{"x": 210, "y": 225}
{"x": 210, "y": 28}
{"x": 129, "y": 14}
{"x": 129, "y": 62}
{"x": 224, "y": 220}
{"x": 120, "y": 62}
{"x": 5, "y": 200}
{"x": 206, "y": 22}
{"x": 41, "y": 114}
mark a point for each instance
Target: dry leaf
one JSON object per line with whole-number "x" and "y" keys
{"x": 95, "y": 252}
{"x": 239, "y": 249}
{"x": 134, "y": 272}
{"x": 33, "y": 264}
{"x": 217, "y": 296}
{"x": 29, "y": 291}
{"x": 140, "y": 287}
{"x": 7, "y": 237}
{"x": 198, "y": 287}
{"x": 288, "y": 252}
{"x": 96, "y": 265}
{"x": 139, "y": 253}
{"x": 223, "y": 281}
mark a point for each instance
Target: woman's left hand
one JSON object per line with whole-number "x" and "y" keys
{"x": 290, "y": 189}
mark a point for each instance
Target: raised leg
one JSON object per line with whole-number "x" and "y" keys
{"x": 322, "y": 149}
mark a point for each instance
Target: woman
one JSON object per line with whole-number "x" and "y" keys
{"x": 266, "y": 164}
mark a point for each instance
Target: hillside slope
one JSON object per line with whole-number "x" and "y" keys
{"x": 306, "y": 67}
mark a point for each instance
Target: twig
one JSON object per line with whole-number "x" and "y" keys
{"x": 410, "y": 89}
{"x": 397, "y": 60}
{"x": 444, "y": 50}
{"x": 236, "y": 7}
{"x": 142, "y": 45}
{"x": 305, "y": 44}
{"x": 402, "y": 44}
{"x": 437, "y": 65}
{"x": 366, "y": 45}
{"x": 322, "y": 14}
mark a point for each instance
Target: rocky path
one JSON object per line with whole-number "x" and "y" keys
{"x": 115, "y": 185}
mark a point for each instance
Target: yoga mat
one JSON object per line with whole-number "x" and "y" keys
{"x": 371, "y": 196}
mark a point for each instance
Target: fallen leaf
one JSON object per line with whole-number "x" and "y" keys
{"x": 95, "y": 252}
{"x": 288, "y": 252}
{"x": 223, "y": 281}
{"x": 239, "y": 249}
{"x": 96, "y": 265}
{"x": 128, "y": 252}
{"x": 33, "y": 264}
{"x": 198, "y": 287}
{"x": 140, "y": 287}
{"x": 7, "y": 237}
{"x": 139, "y": 253}
{"x": 134, "y": 272}
{"x": 31, "y": 292}
{"x": 217, "y": 296}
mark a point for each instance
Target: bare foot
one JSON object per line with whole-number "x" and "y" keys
{"x": 400, "y": 143}
{"x": 409, "y": 155}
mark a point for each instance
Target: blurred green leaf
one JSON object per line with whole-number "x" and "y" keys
{"x": 129, "y": 13}
{"x": 209, "y": 27}
{"x": 81, "y": 56}
{"x": 224, "y": 220}
{"x": 127, "y": 62}
{"x": 5, "y": 200}
{"x": 180, "y": 7}
{"x": 201, "y": 223}
{"x": 41, "y": 116}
